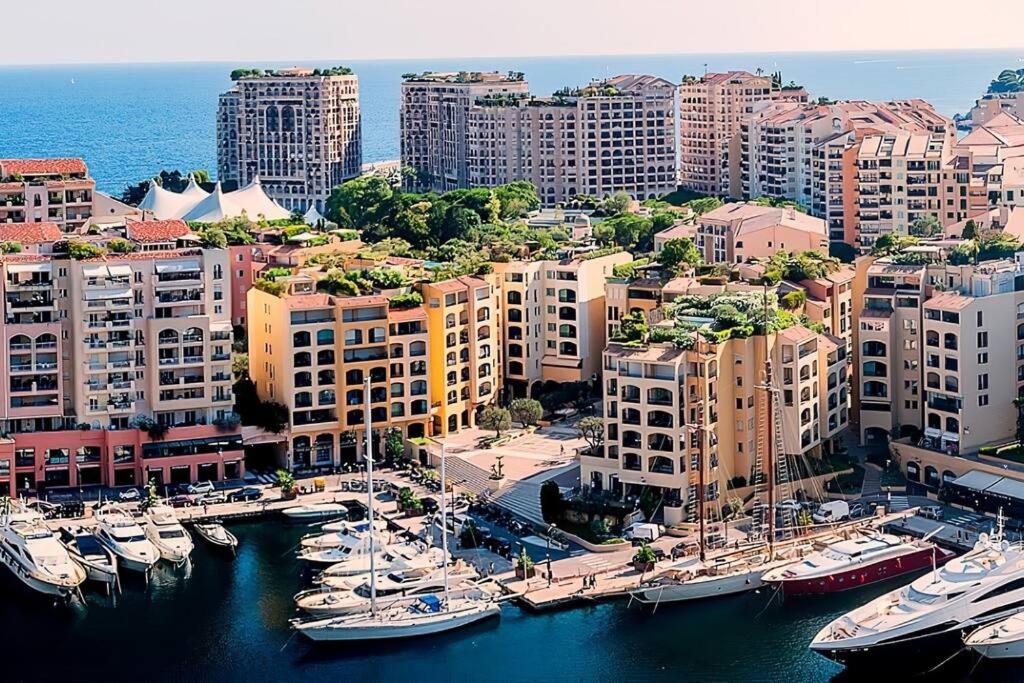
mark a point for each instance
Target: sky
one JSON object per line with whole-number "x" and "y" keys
{"x": 100, "y": 31}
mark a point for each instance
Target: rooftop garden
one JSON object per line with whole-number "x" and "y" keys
{"x": 459, "y": 77}
{"x": 236, "y": 74}
{"x": 1008, "y": 81}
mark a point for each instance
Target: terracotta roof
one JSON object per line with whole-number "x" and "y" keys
{"x": 401, "y": 315}
{"x": 157, "y": 231}
{"x": 42, "y": 166}
{"x": 359, "y": 301}
{"x": 30, "y": 233}
{"x": 309, "y": 301}
{"x": 950, "y": 301}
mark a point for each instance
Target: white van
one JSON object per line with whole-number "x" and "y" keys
{"x": 831, "y": 512}
{"x": 644, "y": 532}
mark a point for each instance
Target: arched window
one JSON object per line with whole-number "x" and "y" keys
{"x": 659, "y": 418}
{"x": 659, "y": 464}
{"x": 303, "y": 379}
{"x": 515, "y": 298}
{"x": 377, "y": 335}
{"x": 566, "y": 313}
{"x": 567, "y": 331}
{"x": 875, "y": 389}
{"x": 325, "y": 377}
{"x": 324, "y": 337}
{"x": 300, "y": 339}
{"x": 659, "y": 396}
{"x": 354, "y": 377}
{"x": 354, "y": 397}
{"x": 353, "y": 337}
{"x": 325, "y": 397}
{"x": 417, "y": 348}
{"x": 952, "y": 384}
{"x": 287, "y": 118}
{"x": 567, "y": 296}
{"x": 303, "y": 359}
{"x": 325, "y": 357}
{"x": 418, "y": 388}
{"x": 272, "y": 118}
{"x": 165, "y": 337}
{"x": 303, "y": 399}
{"x": 567, "y": 348}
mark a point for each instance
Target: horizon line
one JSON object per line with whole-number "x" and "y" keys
{"x": 510, "y": 57}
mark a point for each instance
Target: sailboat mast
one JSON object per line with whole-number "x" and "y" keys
{"x": 700, "y": 478}
{"x": 369, "y": 496}
{"x": 444, "y": 529}
{"x": 770, "y": 441}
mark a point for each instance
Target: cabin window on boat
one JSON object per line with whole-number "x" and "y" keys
{"x": 1005, "y": 588}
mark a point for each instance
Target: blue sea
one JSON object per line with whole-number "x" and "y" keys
{"x": 129, "y": 121}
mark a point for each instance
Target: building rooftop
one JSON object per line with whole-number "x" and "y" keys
{"x": 401, "y": 315}
{"x": 949, "y": 301}
{"x": 156, "y": 231}
{"x": 30, "y": 233}
{"x": 361, "y": 301}
{"x": 750, "y": 218}
{"x": 31, "y": 167}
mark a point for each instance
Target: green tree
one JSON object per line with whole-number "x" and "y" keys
{"x": 214, "y": 238}
{"x": 591, "y": 430}
{"x": 631, "y": 231}
{"x": 616, "y": 204}
{"x": 633, "y": 326}
{"x": 526, "y": 411}
{"x": 892, "y": 243}
{"x": 79, "y": 250}
{"x": 359, "y": 202}
{"x": 495, "y": 418}
{"x": 603, "y": 233}
{"x": 678, "y": 252}
{"x": 551, "y": 502}
{"x": 517, "y": 199}
{"x": 928, "y": 226}
{"x": 794, "y": 300}
{"x": 970, "y": 230}
{"x": 122, "y": 246}
{"x": 842, "y": 251}
{"x": 704, "y": 205}
{"x": 394, "y": 446}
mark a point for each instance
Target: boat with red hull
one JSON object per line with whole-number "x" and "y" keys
{"x": 856, "y": 562}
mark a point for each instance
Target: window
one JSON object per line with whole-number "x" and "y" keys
{"x": 983, "y": 381}
{"x": 982, "y": 399}
{"x": 982, "y": 338}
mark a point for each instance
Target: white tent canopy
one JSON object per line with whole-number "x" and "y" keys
{"x": 195, "y": 204}
{"x": 313, "y": 217}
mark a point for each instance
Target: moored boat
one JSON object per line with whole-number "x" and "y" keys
{"x": 165, "y": 532}
{"x": 314, "y": 512}
{"x": 34, "y": 555}
{"x": 99, "y": 563}
{"x": 125, "y": 538}
{"x": 1001, "y": 640}
{"x": 856, "y": 562}
{"x": 216, "y": 535}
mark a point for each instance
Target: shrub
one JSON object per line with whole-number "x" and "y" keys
{"x": 122, "y": 246}
{"x": 270, "y": 287}
{"x": 644, "y": 555}
{"x": 286, "y": 480}
{"x": 526, "y": 411}
{"x": 409, "y": 300}
{"x": 79, "y": 251}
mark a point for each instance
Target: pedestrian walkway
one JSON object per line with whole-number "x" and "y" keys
{"x": 898, "y": 504}
{"x": 521, "y": 498}
{"x": 872, "y": 480}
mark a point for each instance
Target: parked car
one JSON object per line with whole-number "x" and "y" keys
{"x": 128, "y": 495}
{"x": 856, "y": 510}
{"x": 182, "y": 500}
{"x": 832, "y": 512}
{"x": 247, "y": 493}
{"x": 790, "y": 505}
{"x": 201, "y": 487}
{"x": 211, "y": 498}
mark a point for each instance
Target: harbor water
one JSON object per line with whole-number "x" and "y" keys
{"x": 225, "y": 619}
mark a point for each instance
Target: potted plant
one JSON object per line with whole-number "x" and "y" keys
{"x": 408, "y": 502}
{"x": 643, "y": 560}
{"x": 524, "y": 566}
{"x": 287, "y": 482}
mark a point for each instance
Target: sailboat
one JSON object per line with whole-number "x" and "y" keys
{"x": 417, "y": 616}
{"x": 697, "y": 578}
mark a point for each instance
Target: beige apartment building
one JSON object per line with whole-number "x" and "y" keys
{"x": 433, "y": 119}
{"x": 671, "y": 411}
{"x": 739, "y": 232}
{"x": 711, "y": 110}
{"x": 94, "y": 348}
{"x": 614, "y": 135}
{"x": 57, "y": 191}
{"x": 298, "y": 131}
{"x": 553, "y": 314}
{"x": 314, "y": 352}
{"x": 932, "y": 360}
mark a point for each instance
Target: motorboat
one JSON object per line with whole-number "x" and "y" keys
{"x": 315, "y": 512}
{"x": 415, "y": 616}
{"x": 856, "y": 562}
{"x": 99, "y": 563}
{"x": 168, "y": 535}
{"x": 1001, "y": 640}
{"x": 349, "y": 547}
{"x": 125, "y": 538}
{"x": 34, "y": 555}
{"x": 217, "y": 536}
{"x": 338, "y": 595}
{"x": 385, "y": 559}
{"x": 921, "y": 624}
{"x": 339, "y": 533}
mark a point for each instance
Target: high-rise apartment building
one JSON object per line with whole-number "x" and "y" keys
{"x": 711, "y": 110}
{"x": 118, "y": 366}
{"x": 433, "y": 121}
{"x": 296, "y": 130}
{"x": 614, "y": 135}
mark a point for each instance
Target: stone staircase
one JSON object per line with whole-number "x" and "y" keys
{"x": 521, "y": 498}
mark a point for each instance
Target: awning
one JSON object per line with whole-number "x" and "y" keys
{"x": 95, "y": 271}
{"x": 120, "y": 271}
{"x": 950, "y": 436}
{"x": 1011, "y": 488}
{"x": 177, "y": 266}
{"x": 977, "y": 480}
{"x": 29, "y": 268}
{"x": 932, "y": 432}
{"x": 101, "y": 294}
{"x": 220, "y": 326}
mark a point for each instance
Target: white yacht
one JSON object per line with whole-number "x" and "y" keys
{"x": 99, "y": 562}
{"x": 168, "y": 535}
{"x": 921, "y": 624}
{"x": 1001, "y": 640}
{"x": 693, "y": 579}
{"x": 314, "y": 512}
{"x": 126, "y": 539}
{"x": 337, "y": 533}
{"x": 338, "y": 596}
{"x": 33, "y": 554}
{"x": 349, "y": 546}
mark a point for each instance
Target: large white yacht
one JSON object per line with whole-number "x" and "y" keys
{"x": 33, "y": 554}
{"x": 122, "y": 534}
{"x": 921, "y": 624}
{"x": 166, "y": 533}
{"x": 349, "y": 546}
{"x": 1001, "y": 640}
